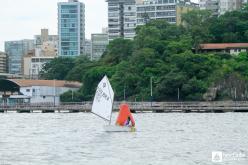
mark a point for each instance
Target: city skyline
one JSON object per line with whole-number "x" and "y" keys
{"x": 18, "y": 21}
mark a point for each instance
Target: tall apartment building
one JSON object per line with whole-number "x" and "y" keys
{"x": 99, "y": 44}
{"x": 45, "y": 37}
{"x": 212, "y": 5}
{"x": 15, "y": 51}
{"x": 121, "y": 19}
{"x": 3, "y": 62}
{"x": 219, "y": 7}
{"x": 156, "y": 9}
{"x": 87, "y": 48}
{"x": 229, "y": 5}
{"x": 71, "y": 28}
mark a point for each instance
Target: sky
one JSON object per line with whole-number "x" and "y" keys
{"x": 22, "y": 19}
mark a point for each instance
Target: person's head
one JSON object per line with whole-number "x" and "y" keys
{"x": 128, "y": 118}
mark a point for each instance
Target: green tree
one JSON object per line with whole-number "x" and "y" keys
{"x": 57, "y": 69}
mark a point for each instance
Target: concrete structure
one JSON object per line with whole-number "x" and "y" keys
{"x": 156, "y": 9}
{"x": 184, "y": 7}
{"x": 99, "y": 44}
{"x": 212, "y": 5}
{"x": 15, "y": 51}
{"x": 34, "y": 61}
{"x": 219, "y": 7}
{"x": 105, "y": 30}
{"x": 3, "y": 62}
{"x": 16, "y": 91}
{"x": 45, "y": 37}
{"x": 48, "y": 48}
{"x": 231, "y": 48}
{"x": 156, "y": 107}
{"x": 121, "y": 19}
{"x": 71, "y": 28}
{"x": 33, "y": 65}
{"x": 229, "y": 5}
{"x": 87, "y": 48}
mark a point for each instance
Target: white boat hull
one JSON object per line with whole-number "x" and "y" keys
{"x": 115, "y": 128}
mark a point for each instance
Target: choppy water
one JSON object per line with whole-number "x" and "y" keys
{"x": 161, "y": 139}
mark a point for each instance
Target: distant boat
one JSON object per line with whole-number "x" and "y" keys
{"x": 103, "y": 106}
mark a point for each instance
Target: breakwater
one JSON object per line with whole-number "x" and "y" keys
{"x": 161, "y": 107}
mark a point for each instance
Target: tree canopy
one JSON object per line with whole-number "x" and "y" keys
{"x": 162, "y": 53}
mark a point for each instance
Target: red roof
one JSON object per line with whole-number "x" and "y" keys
{"x": 223, "y": 45}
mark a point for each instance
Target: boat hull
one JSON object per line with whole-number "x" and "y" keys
{"x": 115, "y": 128}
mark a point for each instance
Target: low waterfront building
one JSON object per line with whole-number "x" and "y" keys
{"x": 19, "y": 91}
{"x": 231, "y": 48}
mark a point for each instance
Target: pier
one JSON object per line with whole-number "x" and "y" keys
{"x": 157, "y": 107}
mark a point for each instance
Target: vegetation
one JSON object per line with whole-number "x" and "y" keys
{"x": 162, "y": 52}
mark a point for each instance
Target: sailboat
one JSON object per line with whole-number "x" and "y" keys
{"x": 103, "y": 106}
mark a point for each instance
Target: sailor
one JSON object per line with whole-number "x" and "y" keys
{"x": 125, "y": 116}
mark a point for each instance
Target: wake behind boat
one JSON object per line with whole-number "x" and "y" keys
{"x": 116, "y": 128}
{"x": 103, "y": 105}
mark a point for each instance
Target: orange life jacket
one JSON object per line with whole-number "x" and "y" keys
{"x": 124, "y": 113}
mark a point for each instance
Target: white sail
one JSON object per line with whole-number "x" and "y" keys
{"x": 103, "y": 100}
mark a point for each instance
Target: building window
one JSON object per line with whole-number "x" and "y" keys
{"x": 129, "y": 8}
{"x": 44, "y": 97}
{"x": 27, "y": 90}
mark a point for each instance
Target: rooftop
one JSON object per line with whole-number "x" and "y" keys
{"x": 56, "y": 83}
{"x": 223, "y": 45}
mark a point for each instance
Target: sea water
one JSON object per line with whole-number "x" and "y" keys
{"x": 161, "y": 139}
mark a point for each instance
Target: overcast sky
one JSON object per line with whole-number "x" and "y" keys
{"x": 22, "y": 19}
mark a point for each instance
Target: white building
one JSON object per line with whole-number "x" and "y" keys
{"x": 212, "y": 5}
{"x": 229, "y": 5}
{"x": 156, "y": 9}
{"x": 35, "y": 91}
{"x": 219, "y": 7}
{"x": 121, "y": 19}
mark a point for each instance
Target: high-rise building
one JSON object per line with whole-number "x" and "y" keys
{"x": 212, "y": 5}
{"x": 229, "y": 5}
{"x": 71, "y": 28}
{"x": 3, "y": 62}
{"x": 87, "y": 48}
{"x": 121, "y": 19}
{"x": 15, "y": 51}
{"x": 219, "y": 7}
{"x": 99, "y": 44}
{"x": 156, "y": 9}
